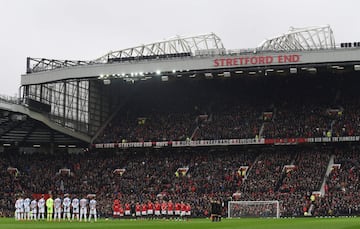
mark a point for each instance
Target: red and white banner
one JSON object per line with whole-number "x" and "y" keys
{"x": 227, "y": 142}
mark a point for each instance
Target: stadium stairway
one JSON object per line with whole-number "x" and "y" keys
{"x": 328, "y": 171}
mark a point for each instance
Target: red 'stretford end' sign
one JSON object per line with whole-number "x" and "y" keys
{"x": 256, "y": 60}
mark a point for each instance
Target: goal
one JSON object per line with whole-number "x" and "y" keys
{"x": 253, "y": 209}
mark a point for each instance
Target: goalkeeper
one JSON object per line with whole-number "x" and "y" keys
{"x": 50, "y": 207}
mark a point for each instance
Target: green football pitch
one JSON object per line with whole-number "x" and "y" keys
{"x": 298, "y": 223}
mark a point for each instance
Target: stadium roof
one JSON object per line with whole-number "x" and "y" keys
{"x": 296, "y": 39}
{"x": 299, "y": 39}
{"x": 177, "y": 45}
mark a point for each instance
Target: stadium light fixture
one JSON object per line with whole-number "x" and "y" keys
{"x": 293, "y": 70}
{"x": 312, "y": 70}
{"x": 158, "y": 72}
{"x": 36, "y": 146}
{"x": 6, "y": 144}
{"x": 61, "y": 146}
{"x": 239, "y": 72}
{"x": 208, "y": 75}
{"x": 280, "y": 71}
{"x": 337, "y": 67}
{"x": 227, "y": 74}
{"x": 71, "y": 146}
{"x": 252, "y": 73}
{"x": 173, "y": 71}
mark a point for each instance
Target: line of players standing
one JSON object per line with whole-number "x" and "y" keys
{"x": 26, "y": 209}
{"x": 150, "y": 210}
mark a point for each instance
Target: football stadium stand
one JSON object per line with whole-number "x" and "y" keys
{"x": 187, "y": 120}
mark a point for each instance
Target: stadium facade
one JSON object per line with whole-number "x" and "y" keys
{"x": 79, "y": 98}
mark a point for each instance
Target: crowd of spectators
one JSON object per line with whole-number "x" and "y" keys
{"x": 292, "y": 108}
{"x": 298, "y": 121}
{"x": 156, "y": 126}
{"x": 284, "y": 174}
{"x": 342, "y": 190}
{"x": 238, "y": 121}
{"x": 242, "y": 121}
{"x": 288, "y": 176}
{"x": 148, "y": 176}
{"x": 229, "y": 122}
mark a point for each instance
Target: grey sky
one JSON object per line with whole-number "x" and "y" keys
{"x": 87, "y": 29}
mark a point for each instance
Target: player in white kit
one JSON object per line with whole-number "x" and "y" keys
{"x": 92, "y": 206}
{"x": 27, "y": 202}
{"x": 41, "y": 206}
{"x": 83, "y": 208}
{"x": 66, "y": 207}
{"x": 21, "y": 208}
{"x": 57, "y": 205}
{"x": 75, "y": 207}
{"x": 33, "y": 208}
{"x": 17, "y": 209}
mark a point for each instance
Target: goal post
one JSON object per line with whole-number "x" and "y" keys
{"x": 254, "y": 209}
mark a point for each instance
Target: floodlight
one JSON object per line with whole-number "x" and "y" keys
{"x": 293, "y": 70}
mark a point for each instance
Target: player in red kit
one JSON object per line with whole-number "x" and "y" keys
{"x": 170, "y": 209}
{"x": 164, "y": 209}
{"x": 157, "y": 210}
{"x": 137, "y": 210}
{"x": 127, "y": 210}
{"x": 150, "y": 209}
{"x": 177, "y": 209}
{"x": 183, "y": 210}
{"x": 116, "y": 208}
{"x": 144, "y": 210}
{"x": 121, "y": 211}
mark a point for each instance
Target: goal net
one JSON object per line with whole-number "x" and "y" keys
{"x": 253, "y": 209}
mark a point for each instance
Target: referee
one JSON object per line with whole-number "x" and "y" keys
{"x": 215, "y": 211}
